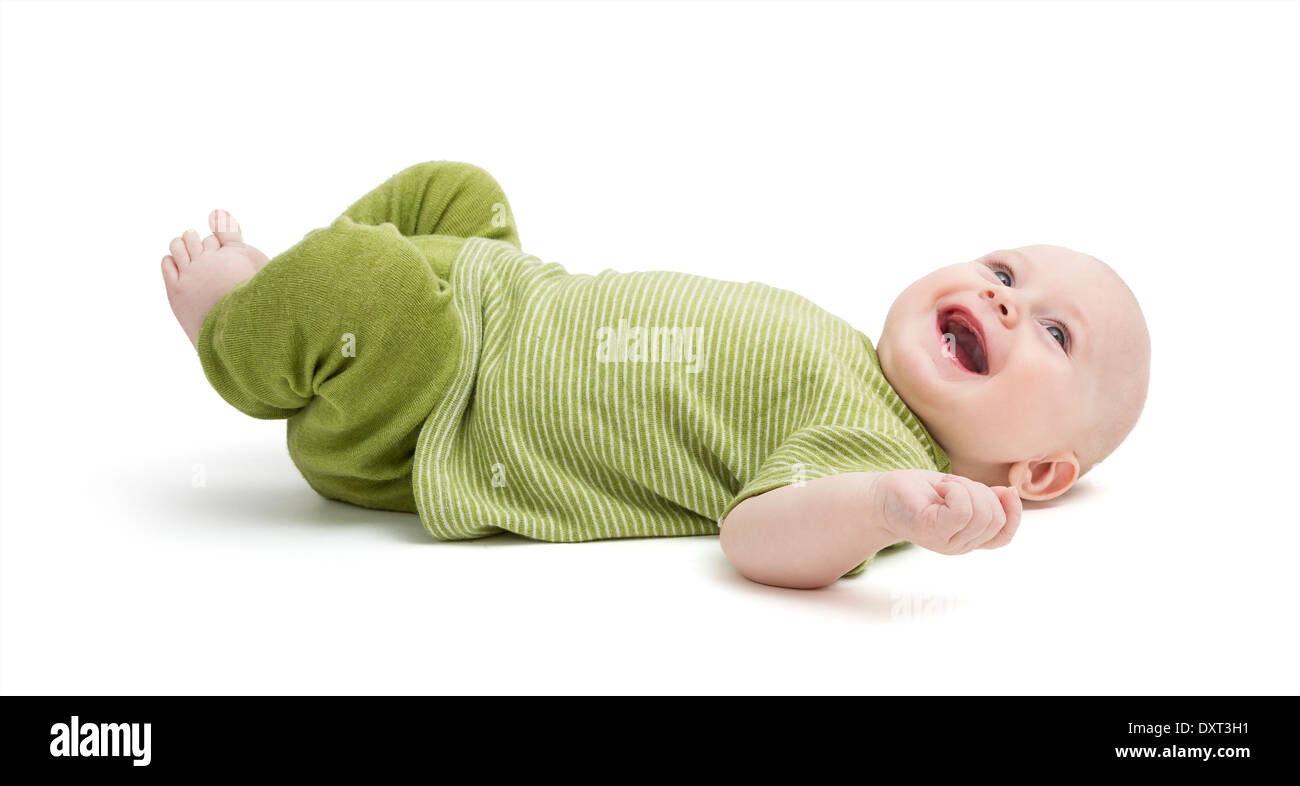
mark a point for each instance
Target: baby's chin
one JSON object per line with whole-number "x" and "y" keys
{"x": 955, "y": 412}
{"x": 926, "y": 374}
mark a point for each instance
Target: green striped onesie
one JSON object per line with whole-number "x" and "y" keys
{"x": 425, "y": 363}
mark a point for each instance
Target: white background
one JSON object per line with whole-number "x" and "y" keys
{"x": 838, "y": 150}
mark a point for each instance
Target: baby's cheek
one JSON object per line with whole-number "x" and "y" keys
{"x": 1022, "y": 411}
{"x": 1046, "y": 407}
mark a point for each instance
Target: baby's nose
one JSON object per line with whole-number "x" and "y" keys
{"x": 1002, "y": 306}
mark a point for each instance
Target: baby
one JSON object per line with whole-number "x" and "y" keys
{"x": 426, "y": 364}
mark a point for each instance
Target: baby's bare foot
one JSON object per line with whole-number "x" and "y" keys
{"x": 198, "y": 274}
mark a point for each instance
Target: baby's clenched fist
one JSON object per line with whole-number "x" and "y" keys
{"x": 949, "y": 514}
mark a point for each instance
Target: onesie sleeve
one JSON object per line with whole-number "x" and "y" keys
{"x": 440, "y": 198}
{"x": 821, "y": 451}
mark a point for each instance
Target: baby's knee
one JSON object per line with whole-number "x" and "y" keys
{"x": 346, "y": 262}
{"x": 456, "y": 175}
{"x": 470, "y": 202}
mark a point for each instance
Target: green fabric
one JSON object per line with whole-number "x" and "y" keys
{"x": 276, "y": 345}
{"x": 494, "y": 392}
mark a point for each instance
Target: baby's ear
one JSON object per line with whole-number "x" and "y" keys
{"x": 1046, "y": 477}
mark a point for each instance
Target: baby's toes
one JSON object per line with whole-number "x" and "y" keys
{"x": 210, "y": 243}
{"x": 179, "y": 253}
{"x": 171, "y": 273}
{"x": 192, "y": 244}
{"x": 225, "y": 227}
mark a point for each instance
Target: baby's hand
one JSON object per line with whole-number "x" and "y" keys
{"x": 949, "y": 514}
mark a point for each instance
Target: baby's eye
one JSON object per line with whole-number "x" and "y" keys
{"x": 1058, "y": 334}
{"x": 1002, "y": 272}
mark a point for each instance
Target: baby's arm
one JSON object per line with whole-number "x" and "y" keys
{"x": 808, "y": 536}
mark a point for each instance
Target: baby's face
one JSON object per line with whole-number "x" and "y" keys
{"x": 1006, "y": 358}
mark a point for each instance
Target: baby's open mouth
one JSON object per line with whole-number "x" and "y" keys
{"x": 962, "y": 338}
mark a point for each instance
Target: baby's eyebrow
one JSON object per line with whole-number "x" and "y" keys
{"x": 1076, "y": 316}
{"x": 1078, "y": 330}
{"x": 1020, "y": 257}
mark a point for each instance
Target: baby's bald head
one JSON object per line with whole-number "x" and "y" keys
{"x": 1028, "y": 365}
{"x": 1126, "y": 374}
